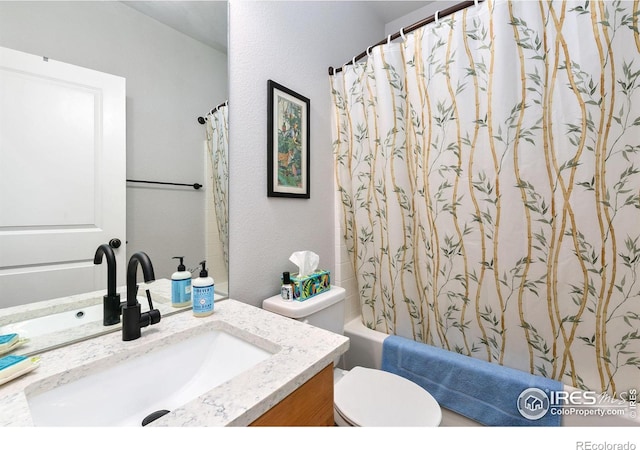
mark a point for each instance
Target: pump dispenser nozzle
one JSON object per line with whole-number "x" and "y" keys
{"x": 181, "y": 267}
{"x": 203, "y": 272}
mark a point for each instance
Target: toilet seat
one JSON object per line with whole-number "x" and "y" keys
{"x": 370, "y": 397}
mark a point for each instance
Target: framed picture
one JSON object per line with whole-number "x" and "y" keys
{"x": 288, "y": 143}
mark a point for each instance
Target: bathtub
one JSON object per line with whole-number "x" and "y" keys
{"x": 365, "y": 349}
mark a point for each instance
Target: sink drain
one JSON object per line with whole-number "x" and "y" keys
{"x": 154, "y": 416}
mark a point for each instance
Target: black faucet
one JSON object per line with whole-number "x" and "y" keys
{"x": 132, "y": 317}
{"x": 111, "y": 302}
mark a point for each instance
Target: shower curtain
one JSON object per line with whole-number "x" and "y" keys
{"x": 488, "y": 170}
{"x": 218, "y": 146}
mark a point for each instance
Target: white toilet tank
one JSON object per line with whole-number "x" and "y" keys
{"x": 324, "y": 310}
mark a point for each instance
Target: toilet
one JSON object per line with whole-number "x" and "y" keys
{"x": 362, "y": 396}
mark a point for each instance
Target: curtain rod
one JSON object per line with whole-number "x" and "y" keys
{"x": 202, "y": 120}
{"x": 439, "y": 14}
{"x": 196, "y": 186}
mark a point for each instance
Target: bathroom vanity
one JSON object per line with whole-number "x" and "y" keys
{"x": 289, "y": 382}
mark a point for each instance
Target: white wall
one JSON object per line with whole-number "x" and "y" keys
{"x": 171, "y": 80}
{"x": 417, "y": 15}
{"x": 292, "y": 43}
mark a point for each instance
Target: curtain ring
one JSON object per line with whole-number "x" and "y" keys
{"x": 404, "y": 38}
{"x": 388, "y": 39}
{"x": 353, "y": 61}
{"x": 476, "y": 3}
{"x": 369, "y": 50}
{"x": 436, "y": 17}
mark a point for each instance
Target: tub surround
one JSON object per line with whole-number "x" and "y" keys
{"x": 300, "y": 351}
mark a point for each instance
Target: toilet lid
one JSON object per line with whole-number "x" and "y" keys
{"x": 370, "y": 397}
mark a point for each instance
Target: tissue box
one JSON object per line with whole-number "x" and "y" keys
{"x": 306, "y": 287}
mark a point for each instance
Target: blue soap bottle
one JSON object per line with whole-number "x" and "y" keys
{"x": 180, "y": 285}
{"x": 202, "y": 293}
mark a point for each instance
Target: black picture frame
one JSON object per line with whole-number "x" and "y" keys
{"x": 288, "y": 143}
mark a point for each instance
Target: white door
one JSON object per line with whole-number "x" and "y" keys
{"x": 62, "y": 177}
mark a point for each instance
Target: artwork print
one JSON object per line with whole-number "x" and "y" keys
{"x": 288, "y": 146}
{"x": 289, "y": 143}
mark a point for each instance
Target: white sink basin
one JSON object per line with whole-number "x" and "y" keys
{"x": 53, "y": 323}
{"x": 124, "y": 393}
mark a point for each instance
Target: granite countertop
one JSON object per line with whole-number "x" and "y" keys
{"x": 299, "y": 352}
{"x": 160, "y": 288}
{"x": 12, "y": 316}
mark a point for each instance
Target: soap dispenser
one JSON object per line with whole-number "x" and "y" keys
{"x": 180, "y": 285}
{"x": 203, "y": 293}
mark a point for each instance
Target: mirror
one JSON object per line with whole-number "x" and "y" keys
{"x": 172, "y": 55}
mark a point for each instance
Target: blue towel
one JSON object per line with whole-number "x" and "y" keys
{"x": 485, "y": 392}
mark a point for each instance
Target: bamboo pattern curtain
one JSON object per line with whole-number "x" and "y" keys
{"x": 218, "y": 146}
{"x": 488, "y": 168}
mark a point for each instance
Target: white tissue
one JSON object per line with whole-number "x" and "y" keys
{"x": 306, "y": 261}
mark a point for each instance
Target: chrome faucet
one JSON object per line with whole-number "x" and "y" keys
{"x": 132, "y": 317}
{"x": 111, "y": 305}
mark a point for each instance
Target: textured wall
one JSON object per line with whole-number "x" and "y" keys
{"x": 292, "y": 43}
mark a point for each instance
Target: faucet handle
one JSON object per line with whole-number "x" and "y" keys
{"x": 150, "y": 318}
{"x": 153, "y": 314}
{"x": 149, "y": 299}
